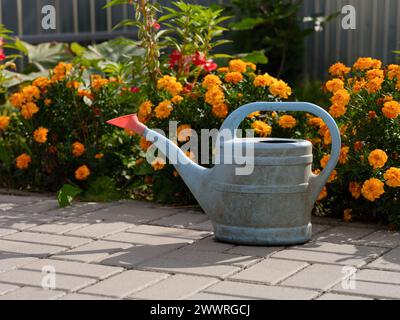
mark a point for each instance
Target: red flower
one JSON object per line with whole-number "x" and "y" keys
{"x": 188, "y": 88}
{"x": 174, "y": 58}
{"x": 2, "y": 55}
{"x": 199, "y": 59}
{"x": 210, "y": 65}
{"x": 154, "y": 24}
{"x": 135, "y": 89}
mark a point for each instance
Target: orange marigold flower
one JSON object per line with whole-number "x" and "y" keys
{"x": 373, "y": 189}
{"x": 78, "y": 149}
{"x": 281, "y": 89}
{"x": 359, "y": 85}
{"x": 392, "y": 177}
{"x": 85, "y": 93}
{"x": 23, "y": 161}
{"x": 372, "y": 115}
{"x": 358, "y": 145}
{"x": 287, "y": 122}
{"x": 177, "y": 99}
{"x": 158, "y": 164}
{"x": 144, "y": 144}
{"x": 29, "y": 109}
{"x": 30, "y": 93}
{"x": 99, "y": 156}
{"x": 315, "y": 122}
{"x": 144, "y": 111}
{"x": 211, "y": 80}
{"x": 337, "y": 110}
{"x": 333, "y": 176}
{"x": 355, "y": 189}
{"x": 367, "y": 63}
{"x": 82, "y": 173}
{"x": 48, "y": 102}
{"x": 223, "y": 70}
{"x": 344, "y": 151}
{"x": 234, "y": 77}
{"x": 377, "y": 158}
{"x": 341, "y": 98}
{"x": 263, "y": 80}
{"x": 375, "y": 73}
{"x": 184, "y": 132}
{"x": 393, "y": 71}
{"x": 252, "y": 66}
{"x": 41, "y": 82}
{"x": 391, "y": 109}
{"x": 323, "y": 194}
{"x": 214, "y": 96}
{"x": 73, "y": 84}
{"x": 4, "y": 122}
{"x": 61, "y": 71}
{"x": 324, "y": 160}
{"x": 17, "y": 99}
{"x": 237, "y": 65}
{"x": 40, "y": 135}
{"x": 339, "y": 70}
{"x": 220, "y": 110}
{"x": 374, "y": 85}
{"x": 347, "y": 215}
{"x": 170, "y": 84}
{"x": 334, "y": 85}
{"x": 164, "y": 109}
{"x": 261, "y": 128}
{"x": 97, "y": 84}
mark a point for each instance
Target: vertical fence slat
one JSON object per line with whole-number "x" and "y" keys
{"x": 398, "y": 27}
{"x": 75, "y": 15}
{"x": 109, "y": 18}
{"x": 92, "y": 17}
{"x": 20, "y": 18}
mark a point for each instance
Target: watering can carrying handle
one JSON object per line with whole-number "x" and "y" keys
{"x": 233, "y": 121}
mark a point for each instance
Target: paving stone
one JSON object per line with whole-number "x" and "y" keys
{"x": 31, "y": 249}
{"x": 213, "y": 296}
{"x": 125, "y": 283}
{"x": 80, "y": 296}
{"x": 182, "y": 220}
{"x": 382, "y": 238}
{"x": 204, "y": 226}
{"x": 7, "y": 231}
{"x": 100, "y": 230}
{"x": 270, "y": 271}
{"x": 342, "y": 234}
{"x": 39, "y": 207}
{"x": 77, "y": 209}
{"x": 7, "y": 206}
{"x": 257, "y": 291}
{"x": 389, "y": 261}
{"x": 144, "y": 239}
{"x": 324, "y": 252}
{"x": 138, "y": 254}
{"x": 317, "y": 228}
{"x": 335, "y": 296}
{"x": 61, "y": 226}
{"x": 20, "y": 200}
{"x": 5, "y": 288}
{"x": 254, "y": 250}
{"x": 93, "y": 251}
{"x": 50, "y": 239}
{"x": 23, "y": 220}
{"x": 74, "y": 268}
{"x": 174, "y": 288}
{"x": 210, "y": 244}
{"x": 169, "y": 232}
{"x": 378, "y": 276}
{"x": 35, "y": 278}
{"x": 9, "y": 261}
{"x": 317, "y": 276}
{"x": 32, "y": 293}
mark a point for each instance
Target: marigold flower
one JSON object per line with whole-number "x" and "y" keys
{"x": 23, "y": 161}
{"x": 261, "y": 128}
{"x": 333, "y": 176}
{"x": 341, "y": 98}
{"x": 377, "y": 158}
{"x": 252, "y": 66}
{"x": 372, "y": 115}
{"x": 367, "y": 63}
{"x": 237, "y": 65}
{"x": 263, "y": 80}
{"x": 4, "y": 122}
{"x": 220, "y": 110}
{"x": 323, "y": 194}
{"x": 393, "y": 71}
{"x": 184, "y": 132}
{"x": 254, "y": 114}
{"x": 170, "y": 84}
{"x": 40, "y": 135}
{"x": 281, "y": 89}
{"x": 98, "y": 83}
{"x": 344, "y": 151}
{"x": 17, "y": 100}
{"x": 48, "y": 102}
{"x": 158, "y": 164}
{"x": 358, "y": 145}
{"x": 211, "y": 80}
{"x": 144, "y": 111}
{"x": 347, "y": 215}
{"x": 164, "y": 109}
{"x": 373, "y": 189}
{"x": 315, "y": 122}
{"x": 339, "y": 70}
{"x": 392, "y": 177}
{"x": 355, "y": 189}
{"x": 177, "y": 99}
{"x": 99, "y": 156}
{"x": 359, "y": 85}
{"x": 324, "y": 160}
{"x": 374, "y": 85}
{"x": 144, "y": 144}
{"x": 223, "y": 70}
{"x": 391, "y": 109}
{"x": 334, "y": 85}
{"x": 337, "y": 110}
{"x": 29, "y": 109}
{"x": 61, "y": 71}
{"x": 82, "y": 173}
{"x": 41, "y": 82}
{"x": 85, "y": 93}
{"x": 78, "y": 149}
{"x": 30, "y": 93}
{"x": 233, "y": 77}
{"x": 375, "y": 73}
{"x": 287, "y": 122}
{"x": 73, "y": 84}
{"x": 214, "y": 96}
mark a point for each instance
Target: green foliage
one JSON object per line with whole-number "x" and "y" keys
{"x": 102, "y": 189}
{"x": 67, "y": 194}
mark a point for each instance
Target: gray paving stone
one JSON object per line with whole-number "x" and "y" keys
{"x": 9, "y": 261}
{"x": 342, "y": 234}
{"x": 204, "y": 226}
{"x": 382, "y": 238}
{"x": 81, "y": 296}
{"x": 254, "y": 250}
{"x": 20, "y": 200}
{"x": 257, "y": 291}
{"x": 270, "y": 271}
{"x": 31, "y": 249}
{"x": 210, "y": 244}
{"x": 77, "y": 209}
{"x": 389, "y": 261}
{"x": 23, "y": 220}
{"x": 317, "y": 228}
{"x": 378, "y": 276}
{"x": 7, "y": 206}
{"x": 100, "y": 230}
{"x": 32, "y": 293}
{"x": 335, "y": 296}
{"x": 317, "y": 276}
{"x": 182, "y": 220}
{"x": 5, "y": 288}
{"x": 125, "y": 283}
{"x": 144, "y": 239}
{"x": 214, "y": 296}
{"x": 93, "y": 251}
{"x": 169, "y": 232}
{"x": 183, "y": 286}
{"x": 39, "y": 207}
{"x": 61, "y": 226}
{"x": 7, "y": 231}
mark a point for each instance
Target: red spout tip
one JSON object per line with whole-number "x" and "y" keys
{"x": 130, "y": 122}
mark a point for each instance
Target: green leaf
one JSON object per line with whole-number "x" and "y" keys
{"x": 67, "y": 194}
{"x": 257, "y": 57}
{"x": 103, "y": 189}
{"x": 115, "y": 2}
{"x": 77, "y": 49}
{"x": 246, "y": 24}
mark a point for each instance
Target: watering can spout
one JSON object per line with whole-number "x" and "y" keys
{"x": 194, "y": 175}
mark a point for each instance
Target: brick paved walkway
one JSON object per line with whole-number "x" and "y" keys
{"x": 137, "y": 250}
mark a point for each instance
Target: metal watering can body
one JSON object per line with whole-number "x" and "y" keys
{"x": 272, "y": 204}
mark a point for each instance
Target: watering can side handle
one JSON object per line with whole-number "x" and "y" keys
{"x": 317, "y": 182}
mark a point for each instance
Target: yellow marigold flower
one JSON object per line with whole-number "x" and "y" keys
{"x": 261, "y": 128}
{"x": 367, "y": 63}
{"x": 211, "y": 80}
{"x": 339, "y": 70}
{"x": 359, "y": 85}
{"x": 334, "y": 85}
{"x": 374, "y": 85}
{"x": 355, "y": 189}
{"x": 287, "y": 122}
{"x": 392, "y": 177}
{"x": 17, "y": 99}
{"x": 170, "y": 85}
{"x": 41, "y": 82}
{"x": 337, "y": 110}
{"x": 281, "y": 89}
{"x": 158, "y": 164}
{"x": 373, "y": 189}
{"x": 78, "y": 149}
{"x": 4, "y": 122}
{"x": 234, "y": 77}
{"x": 48, "y": 102}
{"x": 40, "y": 135}
{"x": 23, "y": 161}
{"x": 252, "y": 66}
{"x": 341, "y": 98}
{"x": 323, "y": 194}
{"x": 263, "y": 80}
{"x": 344, "y": 151}
{"x": 184, "y": 132}
{"x": 223, "y": 70}
{"x": 254, "y": 115}
{"x": 144, "y": 111}
{"x": 375, "y": 73}
{"x": 28, "y": 110}
{"x": 99, "y": 156}
{"x": 324, "y": 160}
{"x": 30, "y": 93}
{"x": 82, "y": 173}
{"x": 315, "y": 122}
{"x": 377, "y": 158}
{"x": 214, "y": 96}
{"x": 391, "y": 109}
{"x": 393, "y": 71}
{"x": 347, "y": 215}
{"x": 220, "y": 110}
{"x": 164, "y": 109}
{"x": 177, "y": 99}
{"x": 237, "y": 65}
{"x": 144, "y": 144}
